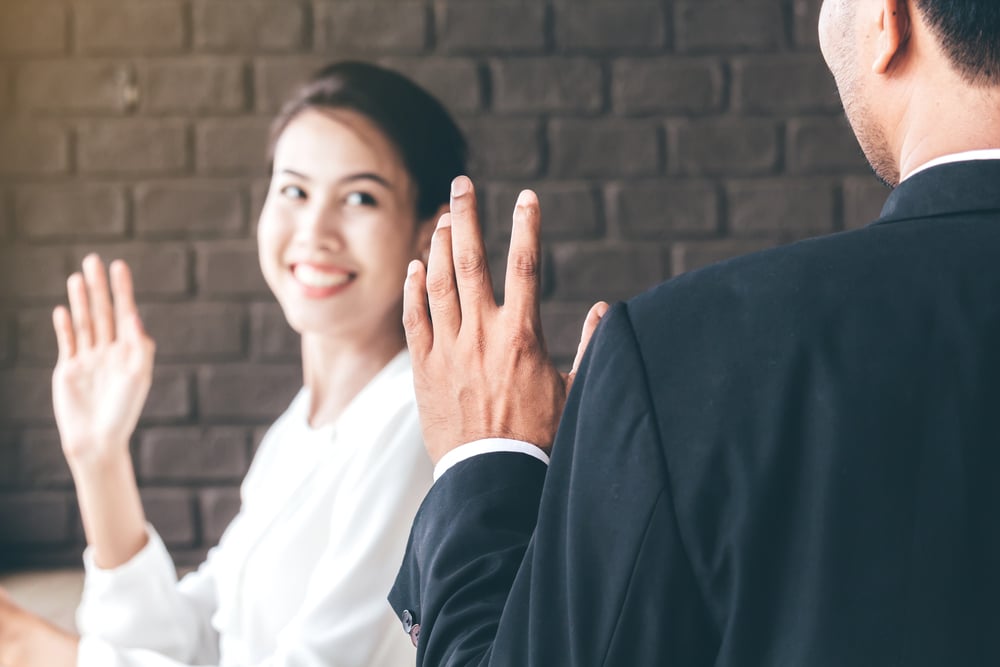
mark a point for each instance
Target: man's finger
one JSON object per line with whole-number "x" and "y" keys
{"x": 126, "y": 313}
{"x": 100, "y": 299}
{"x": 597, "y": 312}
{"x": 79, "y": 308}
{"x": 472, "y": 269}
{"x": 416, "y": 320}
{"x": 65, "y": 340}
{"x": 442, "y": 290}
{"x": 522, "y": 285}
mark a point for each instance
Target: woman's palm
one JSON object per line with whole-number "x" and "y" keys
{"x": 105, "y": 364}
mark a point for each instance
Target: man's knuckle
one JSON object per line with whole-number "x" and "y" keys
{"x": 470, "y": 264}
{"x": 525, "y": 264}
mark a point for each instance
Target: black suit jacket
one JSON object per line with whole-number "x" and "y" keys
{"x": 791, "y": 458}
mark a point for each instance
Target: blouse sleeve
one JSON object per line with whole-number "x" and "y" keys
{"x": 140, "y": 604}
{"x": 345, "y": 620}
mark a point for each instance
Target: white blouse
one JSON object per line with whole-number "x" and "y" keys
{"x": 300, "y": 576}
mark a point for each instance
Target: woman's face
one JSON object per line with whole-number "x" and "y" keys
{"x": 339, "y": 227}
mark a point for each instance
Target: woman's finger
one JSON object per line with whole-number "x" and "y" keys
{"x": 126, "y": 313}
{"x": 79, "y": 308}
{"x": 65, "y": 340}
{"x": 416, "y": 320}
{"x": 442, "y": 290}
{"x": 597, "y": 312}
{"x": 100, "y": 299}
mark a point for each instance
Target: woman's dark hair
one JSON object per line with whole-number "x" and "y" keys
{"x": 428, "y": 140}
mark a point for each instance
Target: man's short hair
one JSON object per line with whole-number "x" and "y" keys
{"x": 969, "y": 30}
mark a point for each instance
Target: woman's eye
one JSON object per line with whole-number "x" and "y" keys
{"x": 293, "y": 192}
{"x": 360, "y": 199}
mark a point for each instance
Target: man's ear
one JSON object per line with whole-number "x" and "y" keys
{"x": 894, "y": 33}
{"x": 425, "y": 231}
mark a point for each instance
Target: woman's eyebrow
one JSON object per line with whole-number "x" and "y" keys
{"x": 367, "y": 176}
{"x": 296, "y": 174}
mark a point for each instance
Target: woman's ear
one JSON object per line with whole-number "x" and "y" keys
{"x": 425, "y": 231}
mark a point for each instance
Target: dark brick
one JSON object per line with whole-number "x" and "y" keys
{"x": 276, "y": 77}
{"x": 36, "y": 339}
{"x": 42, "y": 463}
{"x": 780, "y": 208}
{"x": 6, "y": 349}
{"x": 71, "y": 86}
{"x": 229, "y": 268}
{"x": 193, "y": 85}
{"x": 256, "y": 26}
{"x": 170, "y": 395}
{"x": 401, "y": 26}
{"x": 258, "y": 194}
{"x": 570, "y": 211}
{"x": 725, "y": 146}
{"x": 9, "y": 468}
{"x": 33, "y": 148}
{"x": 258, "y": 393}
{"x": 610, "y": 26}
{"x": 664, "y": 210}
{"x": 148, "y": 27}
{"x": 562, "y": 324}
{"x": 721, "y": 25}
{"x": 864, "y": 198}
{"x": 503, "y": 147}
{"x": 806, "y": 22}
{"x": 236, "y": 145}
{"x": 689, "y": 256}
{"x": 70, "y": 212}
{"x": 782, "y": 84}
{"x": 547, "y": 84}
{"x": 271, "y": 339}
{"x": 823, "y": 145}
{"x": 189, "y": 208}
{"x": 193, "y": 454}
{"x": 454, "y": 81}
{"x": 6, "y": 89}
{"x": 218, "y": 507}
{"x": 33, "y": 28}
{"x": 160, "y": 269}
{"x": 606, "y": 272}
{"x": 491, "y": 26}
{"x": 34, "y": 519}
{"x": 605, "y": 147}
{"x": 172, "y": 513}
{"x": 196, "y": 331}
{"x": 667, "y": 85}
{"x": 26, "y": 396}
{"x": 130, "y": 146}
{"x": 32, "y": 273}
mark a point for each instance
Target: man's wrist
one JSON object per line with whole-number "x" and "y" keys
{"x": 487, "y": 446}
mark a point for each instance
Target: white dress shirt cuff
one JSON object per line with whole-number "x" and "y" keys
{"x": 486, "y": 446}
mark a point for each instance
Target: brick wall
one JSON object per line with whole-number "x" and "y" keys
{"x": 661, "y": 135}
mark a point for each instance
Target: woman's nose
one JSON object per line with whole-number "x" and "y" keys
{"x": 318, "y": 226}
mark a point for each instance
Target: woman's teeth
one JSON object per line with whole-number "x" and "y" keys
{"x": 311, "y": 277}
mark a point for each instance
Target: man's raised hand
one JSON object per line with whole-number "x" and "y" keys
{"x": 482, "y": 370}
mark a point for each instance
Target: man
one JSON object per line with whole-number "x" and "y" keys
{"x": 791, "y": 458}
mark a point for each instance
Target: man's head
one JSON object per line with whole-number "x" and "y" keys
{"x": 914, "y": 76}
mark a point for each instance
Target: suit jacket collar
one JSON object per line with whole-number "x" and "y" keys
{"x": 948, "y": 189}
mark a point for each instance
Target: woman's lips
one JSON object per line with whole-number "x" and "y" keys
{"x": 320, "y": 281}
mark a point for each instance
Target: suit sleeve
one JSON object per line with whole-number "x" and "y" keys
{"x": 511, "y": 565}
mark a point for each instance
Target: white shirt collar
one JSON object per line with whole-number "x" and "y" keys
{"x": 984, "y": 154}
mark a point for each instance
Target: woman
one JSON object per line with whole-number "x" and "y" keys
{"x": 362, "y": 160}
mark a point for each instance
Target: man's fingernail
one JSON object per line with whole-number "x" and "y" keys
{"x": 444, "y": 221}
{"x": 412, "y": 268}
{"x": 459, "y": 186}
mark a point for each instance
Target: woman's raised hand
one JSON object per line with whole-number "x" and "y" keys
{"x": 105, "y": 364}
